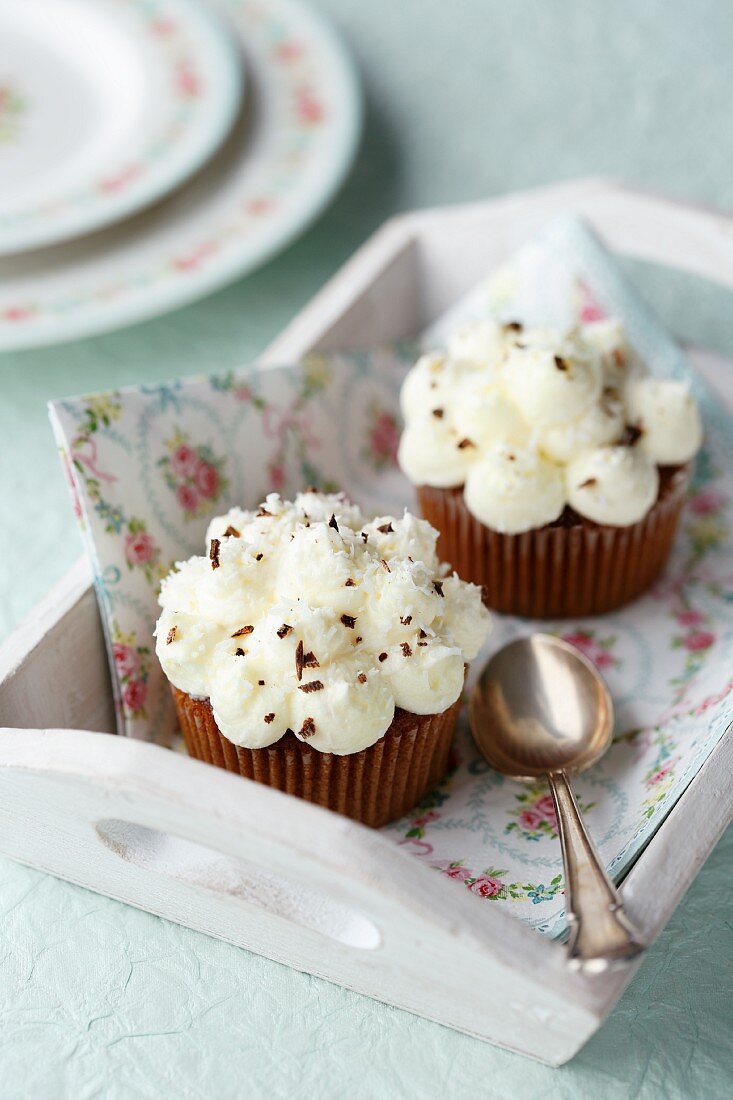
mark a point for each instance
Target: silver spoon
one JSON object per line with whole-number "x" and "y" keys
{"x": 541, "y": 708}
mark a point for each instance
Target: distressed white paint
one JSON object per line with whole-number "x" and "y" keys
{"x": 277, "y": 875}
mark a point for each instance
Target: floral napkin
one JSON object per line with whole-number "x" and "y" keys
{"x": 149, "y": 466}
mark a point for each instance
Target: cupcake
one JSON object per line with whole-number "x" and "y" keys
{"x": 553, "y": 467}
{"x": 321, "y": 653}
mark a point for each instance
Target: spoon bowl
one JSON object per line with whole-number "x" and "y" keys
{"x": 540, "y": 706}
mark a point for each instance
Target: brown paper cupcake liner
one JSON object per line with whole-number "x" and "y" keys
{"x": 373, "y": 786}
{"x": 571, "y": 568}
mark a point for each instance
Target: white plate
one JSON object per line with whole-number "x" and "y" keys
{"x": 105, "y": 105}
{"x": 287, "y": 154}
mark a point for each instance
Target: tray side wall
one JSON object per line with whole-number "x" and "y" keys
{"x": 53, "y": 668}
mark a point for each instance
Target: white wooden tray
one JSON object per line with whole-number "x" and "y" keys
{"x": 282, "y": 877}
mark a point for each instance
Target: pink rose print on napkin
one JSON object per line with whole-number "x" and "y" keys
{"x": 183, "y": 461}
{"x": 133, "y": 695}
{"x": 132, "y": 662}
{"x": 194, "y": 474}
{"x": 590, "y": 309}
{"x": 596, "y": 648}
{"x": 453, "y": 870}
{"x": 206, "y": 480}
{"x": 140, "y": 548}
{"x": 126, "y": 660}
{"x": 486, "y": 886}
{"x": 383, "y": 437}
{"x": 530, "y": 819}
{"x": 535, "y": 813}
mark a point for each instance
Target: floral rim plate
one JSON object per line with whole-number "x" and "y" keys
{"x": 105, "y": 105}
{"x": 288, "y": 152}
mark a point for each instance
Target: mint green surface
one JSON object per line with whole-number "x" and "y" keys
{"x": 465, "y": 100}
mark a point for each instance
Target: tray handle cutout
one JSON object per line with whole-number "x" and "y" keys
{"x": 196, "y": 864}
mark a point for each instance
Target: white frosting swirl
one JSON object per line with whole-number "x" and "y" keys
{"x": 433, "y": 453}
{"x": 612, "y": 485}
{"x": 608, "y": 339}
{"x": 513, "y": 489}
{"x": 602, "y": 423}
{"x": 482, "y": 343}
{"x": 551, "y": 400}
{"x": 668, "y": 416}
{"x": 311, "y": 618}
{"x": 552, "y": 380}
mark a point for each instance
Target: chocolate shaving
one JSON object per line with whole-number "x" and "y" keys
{"x": 299, "y": 660}
{"x": 307, "y": 729}
{"x": 348, "y": 620}
{"x": 405, "y": 619}
{"x": 383, "y": 562}
{"x": 284, "y": 631}
{"x": 349, "y": 583}
{"x": 465, "y": 443}
{"x": 242, "y": 631}
{"x": 422, "y": 643}
{"x": 362, "y": 678}
{"x": 332, "y": 522}
{"x": 588, "y": 482}
{"x": 259, "y": 557}
{"x": 263, "y": 512}
{"x": 240, "y": 652}
{"x": 383, "y": 656}
{"x": 632, "y": 434}
{"x": 314, "y": 685}
{"x": 269, "y": 718}
{"x": 513, "y": 326}
{"x": 364, "y": 536}
{"x": 172, "y": 634}
{"x": 406, "y": 649}
{"x": 422, "y": 633}
{"x": 261, "y": 683}
{"x": 232, "y": 532}
{"x": 358, "y": 639}
{"x": 214, "y": 553}
{"x": 386, "y": 528}
{"x": 438, "y": 586}
{"x": 310, "y": 661}
{"x": 560, "y": 363}
{"x": 438, "y": 413}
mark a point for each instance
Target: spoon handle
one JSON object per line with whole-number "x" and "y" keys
{"x": 601, "y": 934}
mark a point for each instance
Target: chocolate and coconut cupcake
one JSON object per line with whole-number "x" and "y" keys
{"x": 321, "y": 653}
{"x": 553, "y": 467}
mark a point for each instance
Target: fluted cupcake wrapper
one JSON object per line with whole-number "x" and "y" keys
{"x": 557, "y": 571}
{"x": 373, "y": 786}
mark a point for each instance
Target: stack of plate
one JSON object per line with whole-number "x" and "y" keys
{"x": 153, "y": 150}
